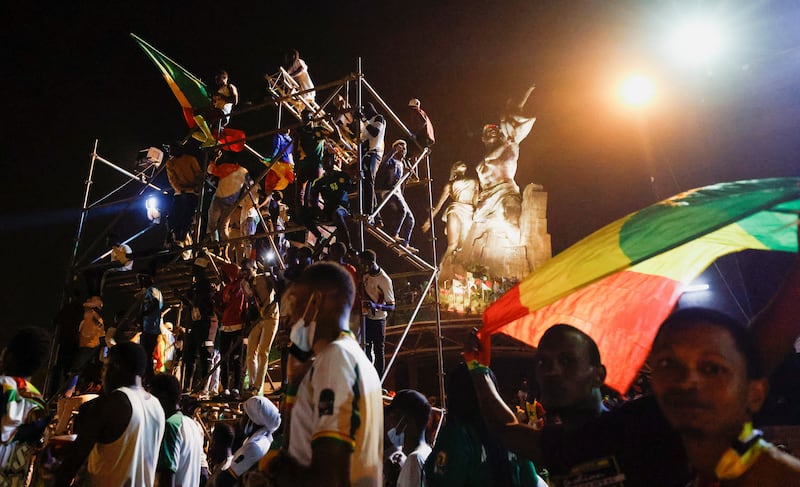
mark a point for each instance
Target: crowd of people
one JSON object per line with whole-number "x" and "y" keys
{"x": 330, "y": 422}
{"x": 334, "y": 425}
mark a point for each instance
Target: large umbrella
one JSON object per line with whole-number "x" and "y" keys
{"x": 619, "y": 283}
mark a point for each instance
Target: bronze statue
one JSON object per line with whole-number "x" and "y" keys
{"x": 495, "y": 245}
{"x": 458, "y": 215}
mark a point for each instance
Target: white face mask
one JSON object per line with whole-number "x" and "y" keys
{"x": 396, "y": 438}
{"x": 302, "y": 335}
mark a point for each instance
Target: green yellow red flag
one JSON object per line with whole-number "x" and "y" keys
{"x": 619, "y": 283}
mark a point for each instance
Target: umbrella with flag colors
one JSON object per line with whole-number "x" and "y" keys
{"x": 619, "y": 283}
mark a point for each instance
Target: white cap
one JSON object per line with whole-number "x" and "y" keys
{"x": 414, "y": 103}
{"x": 398, "y": 142}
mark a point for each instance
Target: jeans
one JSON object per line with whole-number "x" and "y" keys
{"x": 374, "y": 337}
{"x": 230, "y": 347}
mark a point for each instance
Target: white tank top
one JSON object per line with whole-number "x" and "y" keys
{"x": 131, "y": 459}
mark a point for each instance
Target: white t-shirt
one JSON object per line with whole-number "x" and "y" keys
{"x": 182, "y": 450}
{"x": 340, "y": 399}
{"x": 380, "y": 290}
{"x": 413, "y": 474}
{"x": 374, "y": 142}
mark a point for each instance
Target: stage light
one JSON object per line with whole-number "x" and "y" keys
{"x": 696, "y": 41}
{"x": 637, "y": 90}
{"x": 153, "y": 211}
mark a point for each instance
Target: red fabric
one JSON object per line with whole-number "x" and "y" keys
{"x": 231, "y": 139}
{"x": 621, "y": 313}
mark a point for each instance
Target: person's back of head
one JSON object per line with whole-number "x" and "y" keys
{"x": 167, "y": 390}
{"x": 329, "y": 278}
{"x": 26, "y": 352}
{"x": 337, "y": 252}
{"x": 412, "y": 406}
{"x": 126, "y": 365}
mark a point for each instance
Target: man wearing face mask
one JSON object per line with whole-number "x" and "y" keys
{"x": 336, "y": 423}
{"x": 261, "y": 419}
{"x": 411, "y": 411}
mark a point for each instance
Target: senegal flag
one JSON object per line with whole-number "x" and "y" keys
{"x": 618, "y": 284}
{"x": 194, "y": 99}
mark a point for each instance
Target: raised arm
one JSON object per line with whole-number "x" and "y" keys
{"x": 436, "y": 209}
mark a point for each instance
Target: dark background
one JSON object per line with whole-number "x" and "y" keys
{"x": 72, "y": 75}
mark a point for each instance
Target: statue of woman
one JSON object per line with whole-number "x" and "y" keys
{"x": 458, "y": 215}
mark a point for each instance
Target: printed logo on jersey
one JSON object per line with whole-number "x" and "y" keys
{"x": 326, "y": 399}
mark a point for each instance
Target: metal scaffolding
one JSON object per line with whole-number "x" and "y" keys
{"x": 289, "y": 98}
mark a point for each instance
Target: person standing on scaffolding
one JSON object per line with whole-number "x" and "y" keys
{"x": 311, "y": 139}
{"x": 420, "y": 126}
{"x": 373, "y": 129}
{"x": 186, "y": 178}
{"x": 388, "y": 175}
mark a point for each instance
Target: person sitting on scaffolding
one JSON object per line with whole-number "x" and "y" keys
{"x": 224, "y": 97}
{"x": 389, "y": 174}
{"x": 298, "y": 70}
{"x": 232, "y": 178}
{"x": 121, "y": 260}
{"x": 333, "y": 190}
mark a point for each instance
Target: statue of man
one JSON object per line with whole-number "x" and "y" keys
{"x": 499, "y": 198}
{"x": 494, "y": 241}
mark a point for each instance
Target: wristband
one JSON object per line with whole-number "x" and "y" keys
{"x": 291, "y": 389}
{"x": 208, "y": 343}
{"x": 289, "y": 400}
{"x": 476, "y": 367}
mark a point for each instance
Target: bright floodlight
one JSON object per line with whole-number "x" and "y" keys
{"x": 637, "y": 90}
{"x": 696, "y": 41}
{"x": 153, "y": 212}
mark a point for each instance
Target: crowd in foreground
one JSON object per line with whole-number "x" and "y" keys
{"x": 330, "y": 428}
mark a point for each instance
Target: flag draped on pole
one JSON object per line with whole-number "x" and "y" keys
{"x": 194, "y": 98}
{"x": 619, "y": 283}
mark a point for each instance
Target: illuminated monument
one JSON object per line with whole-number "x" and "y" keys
{"x": 507, "y": 237}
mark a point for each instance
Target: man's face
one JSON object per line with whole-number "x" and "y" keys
{"x": 564, "y": 373}
{"x": 700, "y": 380}
{"x": 491, "y": 135}
{"x": 401, "y": 149}
{"x": 222, "y": 79}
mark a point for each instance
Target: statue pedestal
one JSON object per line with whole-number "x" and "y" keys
{"x": 533, "y": 226}
{"x": 503, "y": 249}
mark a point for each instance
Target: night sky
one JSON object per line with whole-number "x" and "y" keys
{"x": 73, "y": 74}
